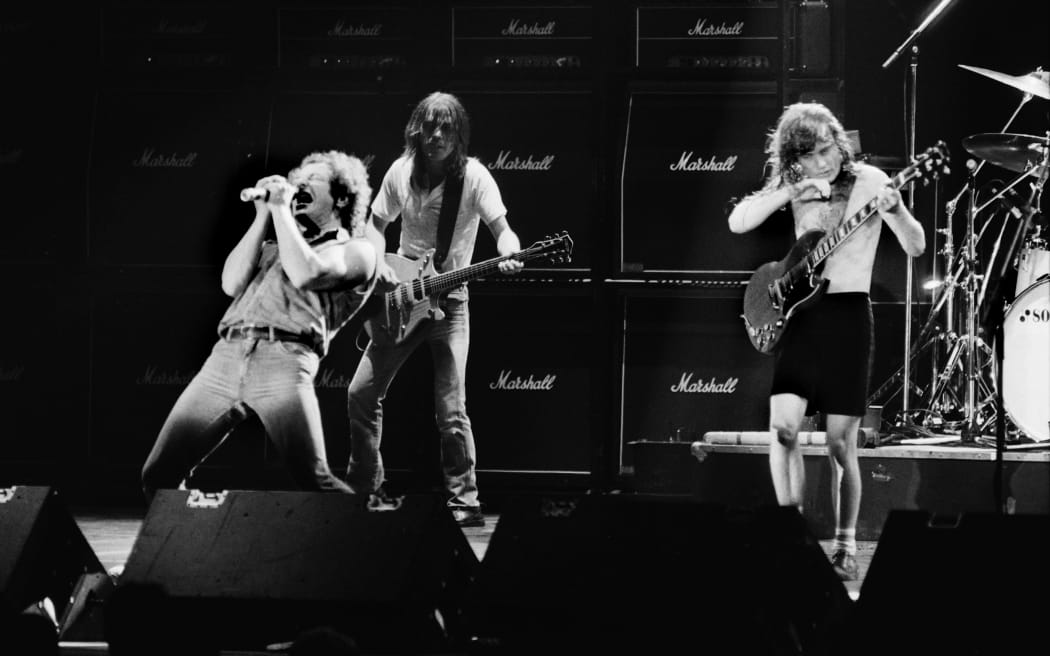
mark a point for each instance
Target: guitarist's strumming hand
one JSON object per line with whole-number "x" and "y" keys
{"x": 386, "y": 277}
{"x": 507, "y": 245}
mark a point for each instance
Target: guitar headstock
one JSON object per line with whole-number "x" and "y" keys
{"x": 557, "y": 249}
{"x": 931, "y": 163}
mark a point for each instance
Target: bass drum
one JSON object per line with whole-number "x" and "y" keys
{"x": 1026, "y": 361}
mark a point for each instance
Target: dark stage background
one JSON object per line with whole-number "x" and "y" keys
{"x": 128, "y": 128}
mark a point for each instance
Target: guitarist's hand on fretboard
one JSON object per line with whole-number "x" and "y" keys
{"x": 811, "y": 189}
{"x": 511, "y": 266}
{"x": 887, "y": 201}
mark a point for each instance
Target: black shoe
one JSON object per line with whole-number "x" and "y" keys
{"x": 845, "y": 565}
{"x": 468, "y": 516}
{"x": 380, "y": 501}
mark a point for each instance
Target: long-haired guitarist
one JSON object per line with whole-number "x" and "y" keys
{"x": 823, "y": 362}
{"x": 435, "y": 159}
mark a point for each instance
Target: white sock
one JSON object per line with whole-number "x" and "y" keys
{"x": 845, "y": 540}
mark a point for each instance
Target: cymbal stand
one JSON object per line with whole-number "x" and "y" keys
{"x": 947, "y": 289}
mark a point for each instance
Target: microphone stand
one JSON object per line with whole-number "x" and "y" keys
{"x": 914, "y": 73}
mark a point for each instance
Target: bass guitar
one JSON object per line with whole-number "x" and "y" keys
{"x": 418, "y": 295}
{"x": 779, "y": 290}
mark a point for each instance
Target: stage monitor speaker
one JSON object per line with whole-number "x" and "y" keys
{"x": 258, "y": 567}
{"x": 635, "y": 574}
{"x": 955, "y": 584}
{"x": 43, "y": 554}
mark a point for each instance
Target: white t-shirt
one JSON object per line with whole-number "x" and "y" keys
{"x": 420, "y": 210}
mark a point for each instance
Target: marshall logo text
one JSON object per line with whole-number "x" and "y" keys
{"x": 687, "y": 163}
{"x": 505, "y": 163}
{"x": 530, "y": 384}
{"x": 515, "y": 28}
{"x": 703, "y": 28}
{"x": 343, "y": 28}
{"x": 687, "y": 386}
{"x": 153, "y": 376}
{"x": 151, "y": 159}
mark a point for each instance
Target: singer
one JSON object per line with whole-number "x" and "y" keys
{"x": 290, "y": 298}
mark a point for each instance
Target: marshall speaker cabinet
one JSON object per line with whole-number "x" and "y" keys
{"x": 688, "y": 368}
{"x": 529, "y": 380}
{"x": 165, "y": 171}
{"x": 538, "y": 147}
{"x": 686, "y": 157}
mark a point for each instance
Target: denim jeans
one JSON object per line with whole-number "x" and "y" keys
{"x": 275, "y": 380}
{"x": 449, "y": 341}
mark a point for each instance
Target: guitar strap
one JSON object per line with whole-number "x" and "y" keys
{"x": 450, "y": 200}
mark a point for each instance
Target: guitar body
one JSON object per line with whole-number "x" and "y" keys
{"x": 418, "y": 296}
{"x": 771, "y": 298}
{"x": 779, "y": 290}
{"x": 405, "y": 306}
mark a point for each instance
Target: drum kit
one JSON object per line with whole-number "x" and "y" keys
{"x": 964, "y": 393}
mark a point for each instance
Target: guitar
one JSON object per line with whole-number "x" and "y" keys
{"x": 418, "y": 296}
{"x": 779, "y": 290}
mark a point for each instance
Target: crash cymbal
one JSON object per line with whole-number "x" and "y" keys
{"x": 1036, "y": 83}
{"x": 1016, "y": 152}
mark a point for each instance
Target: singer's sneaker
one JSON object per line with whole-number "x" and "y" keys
{"x": 845, "y": 565}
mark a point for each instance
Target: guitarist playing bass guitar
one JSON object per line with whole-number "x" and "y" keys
{"x": 442, "y": 195}
{"x": 823, "y": 360}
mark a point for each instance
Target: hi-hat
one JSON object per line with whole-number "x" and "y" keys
{"x": 1036, "y": 83}
{"x": 1016, "y": 152}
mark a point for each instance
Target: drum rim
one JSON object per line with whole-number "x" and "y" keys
{"x": 1044, "y": 280}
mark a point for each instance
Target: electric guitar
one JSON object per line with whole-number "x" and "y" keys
{"x": 779, "y": 290}
{"x": 418, "y": 296}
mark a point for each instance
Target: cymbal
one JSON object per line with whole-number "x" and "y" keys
{"x": 1036, "y": 83}
{"x": 1016, "y": 152}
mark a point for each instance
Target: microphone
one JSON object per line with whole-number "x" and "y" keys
{"x": 254, "y": 193}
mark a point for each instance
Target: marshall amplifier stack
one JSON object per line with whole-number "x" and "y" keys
{"x": 727, "y": 40}
{"x": 199, "y": 37}
{"x": 367, "y": 39}
{"x": 522, "y": 38}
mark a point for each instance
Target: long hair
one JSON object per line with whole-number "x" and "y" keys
{"x": 348, "y": 179}
{"x": 797, "y": 132}
{"x": 445, "y": 110}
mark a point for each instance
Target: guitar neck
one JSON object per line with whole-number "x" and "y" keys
{"x": 452, "y": 279}
{"x": 828, "y": 244}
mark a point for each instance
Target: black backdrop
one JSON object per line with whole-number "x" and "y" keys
{"x": 129, "y": 127}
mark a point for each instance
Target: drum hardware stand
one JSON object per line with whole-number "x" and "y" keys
{"x": 953, "y": 271}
